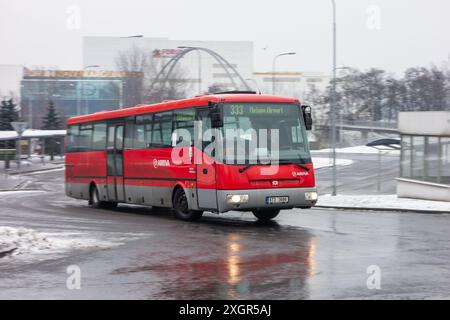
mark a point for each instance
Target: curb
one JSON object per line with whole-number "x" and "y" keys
{"x": 383, "y": 209}
{"x": 33, "y": 171}
{"x": 18, "y": 190}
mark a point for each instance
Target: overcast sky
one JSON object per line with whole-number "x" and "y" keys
{"x": 388, "y": 34}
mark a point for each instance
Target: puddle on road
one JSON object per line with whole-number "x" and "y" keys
{"x": 236, "y": 271}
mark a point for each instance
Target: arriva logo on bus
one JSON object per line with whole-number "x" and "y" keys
{"x": 160, "y": 163}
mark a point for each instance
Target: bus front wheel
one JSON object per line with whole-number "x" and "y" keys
{"x": 181, "y": 207}
{"x": 266, "y": 214}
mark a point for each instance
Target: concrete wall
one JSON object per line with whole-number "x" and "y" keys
{"x": 407, "y": 188}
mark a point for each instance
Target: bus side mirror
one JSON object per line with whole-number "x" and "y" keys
{"x": 307, "y": 117}
{"x": 216, "y": 118}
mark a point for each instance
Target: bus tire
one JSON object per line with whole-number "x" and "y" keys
{"x": 266, "y": 214}
{"x": 181, "y": 207}
{"x": 94, "y": 200}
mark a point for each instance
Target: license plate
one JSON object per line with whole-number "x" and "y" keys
{"x": 277, "y": 200}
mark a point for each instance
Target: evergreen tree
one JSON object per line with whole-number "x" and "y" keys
{"x": 8, "y": 114}
{"x": 52, "y": 120}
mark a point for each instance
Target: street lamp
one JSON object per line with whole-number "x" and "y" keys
{"x": 333, "y": 128}
{"x": 333, "y": 104}
{"x": 274, "y": 67}
{"x": 82, "y": 89}
{"x": 199, "y": 65}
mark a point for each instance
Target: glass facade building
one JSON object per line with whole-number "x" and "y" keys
{"x": 73, "y": 92}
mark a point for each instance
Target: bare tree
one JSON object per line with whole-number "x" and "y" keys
{"x": 139, "y": 90}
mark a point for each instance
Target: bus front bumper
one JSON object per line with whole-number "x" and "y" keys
{"x": 285, "y": 198}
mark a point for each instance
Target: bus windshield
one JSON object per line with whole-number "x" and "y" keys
{"x": 286, "y": 118}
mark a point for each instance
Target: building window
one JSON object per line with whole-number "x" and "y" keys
{"x": 425, "y": 158}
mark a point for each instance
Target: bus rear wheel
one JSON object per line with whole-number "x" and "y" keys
{"x": 181, "y": 207}
{"x": 94, "y": 200}
{"x": 266, "y": 214}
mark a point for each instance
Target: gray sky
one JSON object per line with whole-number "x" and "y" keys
{"x": 387, "y": 34}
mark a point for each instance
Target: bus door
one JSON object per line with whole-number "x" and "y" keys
{"x": 206, "y": 171}
{"x": 115, "y": 181}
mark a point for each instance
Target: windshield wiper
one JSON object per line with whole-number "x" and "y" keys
{"x": 295, "y": 164}
{"x": 241, "y": 170}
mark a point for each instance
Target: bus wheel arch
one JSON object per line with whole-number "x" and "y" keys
{"x": 181, "y": 205}
{"x": 94, "y": 197}
{"x": 95, "y": 201}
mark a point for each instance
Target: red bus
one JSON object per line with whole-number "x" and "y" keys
{"x": 133, "y": 156}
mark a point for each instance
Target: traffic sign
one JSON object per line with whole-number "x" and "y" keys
{"x": 19, "y": 127}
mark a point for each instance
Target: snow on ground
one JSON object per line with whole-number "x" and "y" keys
{"x": 30, "y": 243}
{"x": 356, "y": 150}
{"x": 31, "y": 133}
{"x": 382, "y": 202}
{"x": 328, "y": 162}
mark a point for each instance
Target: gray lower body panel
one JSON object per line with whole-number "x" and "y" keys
{"x": 257, "y": 198}
{"x": 162, "y": 197}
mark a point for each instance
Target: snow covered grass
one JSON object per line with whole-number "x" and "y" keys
{"x": 328, "y": 162}
{"x": 356, "y": 150}
{"x": 382, "y": 202}
{"x": 30, "y": 243}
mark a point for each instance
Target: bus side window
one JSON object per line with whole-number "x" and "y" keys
{"x": 148, "y": 121}
{"x": 139, "y": 133}
{"x": 129, "y": 133}
{"x": 99, "y": 138}
{"x": 184, "y": 119}
{"x": 73, "y": 133}
{"x": 162, "y": 129}
{"x": 85, "y": 137}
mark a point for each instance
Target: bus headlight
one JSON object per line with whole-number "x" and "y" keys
{"x": 311, "y": 196}
{"x": 237, "y": 198}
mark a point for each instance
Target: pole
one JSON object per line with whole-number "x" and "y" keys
{"x": 199, "y": 71}
{"x": 273, "y": 74}
{"x": 121, "y": 95}
{"x": 18, "y": 152}
{"x": 274, "y": 67}
{"x": 379, "y": 172}
{"x": 78, "y": 99}
{"x": 30, "y": 111}
{"x": 86, "y": 102}
{"x": 333, "y": 104}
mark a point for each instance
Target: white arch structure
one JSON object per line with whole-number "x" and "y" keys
{"x": 171, "y": 64}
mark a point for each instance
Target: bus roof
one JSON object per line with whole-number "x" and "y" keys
{"x": 198, "y": 101}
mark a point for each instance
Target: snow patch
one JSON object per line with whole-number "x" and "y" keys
{"x": 328, "y": 162}
{"x": 23, "y": 241}
{"x": 356, "y": 150}
{"x": 382, "y": 202}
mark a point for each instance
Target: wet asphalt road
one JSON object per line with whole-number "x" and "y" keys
{"x": 305, "y": 254}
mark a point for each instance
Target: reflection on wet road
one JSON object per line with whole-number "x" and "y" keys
{"x": 303, "y": 255}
